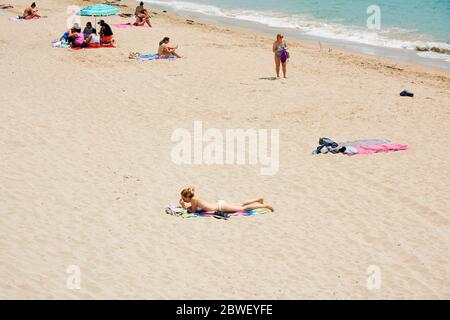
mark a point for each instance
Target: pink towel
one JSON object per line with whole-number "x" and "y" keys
{"x": 124, "y": 25}
{"x": 381, "y": 148}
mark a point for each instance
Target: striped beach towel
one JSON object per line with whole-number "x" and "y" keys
{"x": 183, "y": 213}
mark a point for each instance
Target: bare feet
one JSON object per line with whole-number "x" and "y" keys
{"x": 270, "y": 208}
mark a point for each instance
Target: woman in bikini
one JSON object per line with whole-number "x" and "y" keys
{"x": 188, "y": 196}
{"x": 164, "y": 50}
{"x": 280, "y": 50}
{"x": 143, "y": 18}
{"x": 31, "y": 12}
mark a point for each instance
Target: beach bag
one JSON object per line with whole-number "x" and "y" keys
{"x": 327, "y": 143}
{"x": 284, "y": 56}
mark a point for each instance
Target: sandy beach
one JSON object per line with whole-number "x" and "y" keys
{"x": 86, "y": 168}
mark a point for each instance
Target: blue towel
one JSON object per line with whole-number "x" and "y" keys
{"x": 152, "y": 56}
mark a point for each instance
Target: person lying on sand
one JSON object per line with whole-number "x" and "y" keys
{"x": 188, "y": 196}
{"x": 164, "y": 50}
{"x": 31, "y": 12}
{"x": 143, "y": 18}
{"x": 106, "y": 34}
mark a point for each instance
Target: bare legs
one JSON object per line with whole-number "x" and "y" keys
{"x": 277, "y": 67}
{"x": 171, "y": 52}
{"x": 142, "y": 19}
{"x": 246, "y": 206}
{"x": 260, "y": 200}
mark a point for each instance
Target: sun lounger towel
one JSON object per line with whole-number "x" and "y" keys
{"x": 181, "y": 212}
{"x": 381, "y": 148}
{"x": 363, "y": 142}
{"x": 154, "y": 56}
{"x": 124, "y": 25}
{"x": 20, "y": 18}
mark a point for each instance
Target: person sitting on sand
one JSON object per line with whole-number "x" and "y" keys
{"x": 281, "y": 55}
{"x": 76, "y": 38}
{"x": 139, "y": 8}
{"x": 31, "y": 12}
{"x": 65, "y": 36}
{"x": 165, "y": 51}
{"x": 106, "y": 34}
{"x": 92, "y": 39}
{"x": 196, "y": 204}
{"x": 87, "y": 30}
{"x": 143, "y": 18}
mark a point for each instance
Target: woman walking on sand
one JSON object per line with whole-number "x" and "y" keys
{"x": 281, "y": 55}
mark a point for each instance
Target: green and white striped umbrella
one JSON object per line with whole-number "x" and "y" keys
{"x": 99, "y": 10}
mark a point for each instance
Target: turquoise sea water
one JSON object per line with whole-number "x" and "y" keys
{"x": 404, "y": 24}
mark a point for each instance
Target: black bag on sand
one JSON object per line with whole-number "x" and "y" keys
{"x": 327, "y": 143}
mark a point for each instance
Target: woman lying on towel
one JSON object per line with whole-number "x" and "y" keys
{"x": 188, "y": 196}
{"x": 165, "y": 51}
{"x": 31, "y": 12}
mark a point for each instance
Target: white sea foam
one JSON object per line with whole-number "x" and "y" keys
{"x": 383, "y": 38}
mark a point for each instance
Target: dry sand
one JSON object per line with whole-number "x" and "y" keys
{"x": 86, "y": 170}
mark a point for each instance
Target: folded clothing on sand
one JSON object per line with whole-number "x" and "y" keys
{"x": 60, "y": 44}
{"x": 181, "y": 212}
{"x": 153, "y": 56}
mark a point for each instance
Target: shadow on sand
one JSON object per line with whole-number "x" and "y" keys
{"x": 268, "y": 78}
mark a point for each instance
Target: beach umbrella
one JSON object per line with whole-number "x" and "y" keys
{"x": 98, "y": 10}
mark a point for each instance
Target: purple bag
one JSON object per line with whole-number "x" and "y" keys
{"x": 284, "y": 56}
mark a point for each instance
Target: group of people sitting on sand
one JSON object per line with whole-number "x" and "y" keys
{"x": 89, "y": 37}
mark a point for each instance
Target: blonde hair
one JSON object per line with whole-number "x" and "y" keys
{"x": 188, "y": 192}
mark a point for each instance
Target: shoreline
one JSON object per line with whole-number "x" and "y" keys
{"x": 396, "y": 54}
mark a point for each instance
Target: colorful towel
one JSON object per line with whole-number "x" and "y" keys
{"x": 124, "y": 25}
{"x": 181, "y": 212}
{"x": 154, "y": 56}
{"x": 20, "y": 18}
{"x": 381, "y": 148}
{"x": 96, "y": 46}
{"x": 363, "y": 142}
